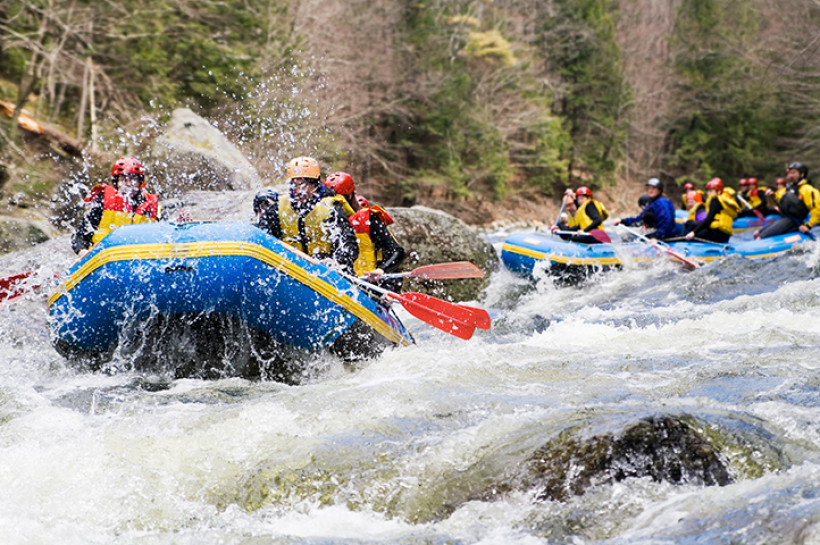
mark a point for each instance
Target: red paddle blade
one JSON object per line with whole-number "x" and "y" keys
{"x": 469, "y": 316}
{"x": 14, "y": 286}
{"x": 447, "y": 271}
{"x": 437, "y": 319}
{"x": 481, "y": 318}
{"x": 693, "y": 264}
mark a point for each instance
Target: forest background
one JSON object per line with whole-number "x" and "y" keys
{"x": 485, "y": 108}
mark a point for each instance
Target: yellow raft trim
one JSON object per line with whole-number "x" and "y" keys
{"x": 586, "y": 261}
{"x": 185, "y": 250}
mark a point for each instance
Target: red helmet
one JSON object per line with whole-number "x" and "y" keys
{"x": 694, "y": 195}
{"x": 743, "y": 182}
{"x": 780, "y": 181}
{"x": 127, "y": 165}
{"x": 716, "y": 184}
{"x": 688, "y": 186}
{"x": 751, "y": 181}
{"x": 362, "y": 201}
{"x": 341, "y": 183}
{"x": 584, "y": 190}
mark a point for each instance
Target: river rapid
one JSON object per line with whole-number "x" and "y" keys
{"x": 398, "y": 450}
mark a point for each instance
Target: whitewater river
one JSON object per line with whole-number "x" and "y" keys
{"x": 403, "y": 449}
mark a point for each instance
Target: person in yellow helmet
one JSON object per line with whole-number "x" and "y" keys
{"x": 309, "y": 218}
{"x": 122, "y": 202}
{"x": 379, "y": 251}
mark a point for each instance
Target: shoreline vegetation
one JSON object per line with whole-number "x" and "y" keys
{"x": 485, "y": 111}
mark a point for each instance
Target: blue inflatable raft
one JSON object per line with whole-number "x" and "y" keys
{"x": 531, "y": 252}
{"x": 739, "y": 225}
{"x": 212, "y": 300}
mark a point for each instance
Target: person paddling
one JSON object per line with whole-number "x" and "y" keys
{"x": 799, "y": 205}
{"x": 658, "y": 215}
{"x": 379, "y": 251}
{"x": 123, "y": 202}
{"x": 721, "y": 211}
{"x": 309, "y": 218}
{"x": 588, "y": 220}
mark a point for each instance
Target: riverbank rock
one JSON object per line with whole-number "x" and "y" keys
{"x": 432, "y": 236}
{"x": 193, "y": 154}
{"x": 665, "y": 448}
{"x": 20, "y": 234}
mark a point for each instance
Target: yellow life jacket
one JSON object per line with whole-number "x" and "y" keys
{"x": 118, "y": 212}
{"x": 309, "y": 232}
{"x": 723, "y": 220}
{"x": 582, "y": 220}
{"x": 753, "y": 198}
{"x": 369, "y": 255}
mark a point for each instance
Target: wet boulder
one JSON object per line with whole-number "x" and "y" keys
{"x": 432, "y": 236}
{"x": 665, "y": 448}
{"x": 20, "y": 234}
{"x": 191, "y": 153}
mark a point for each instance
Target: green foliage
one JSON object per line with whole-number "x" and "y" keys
{"x": 581, "y": 45}
{"x": 731, "y": 114}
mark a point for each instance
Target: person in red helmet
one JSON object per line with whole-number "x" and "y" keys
{"x": 697, "y": 210}
{"x": 309, "y": 218}
{"x": 379, "y": 251}
{"x": 123, "y": 202}
{"x": 588, "y": 219}
{"x": 687, "y": 187}
{"x": 721, "y": 211}
{"x": 754, "y": 196}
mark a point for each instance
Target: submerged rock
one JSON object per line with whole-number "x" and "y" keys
{"x": 665, "y": 448}
{"x": 20, "y": 234}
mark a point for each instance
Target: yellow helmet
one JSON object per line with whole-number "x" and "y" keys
{"x": 303, "y": 167}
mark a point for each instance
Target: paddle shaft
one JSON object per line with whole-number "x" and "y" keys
{"x": 664, "y": 247}
{"x": 757, "y": 212}
{"x": 440, "y": 271}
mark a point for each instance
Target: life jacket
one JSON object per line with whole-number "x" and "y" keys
{"x": 799, "y": 200}
{"x": 369, "y": 255}
{"x": 699, "y": 208}
{"x": 308, "y": 232}
{"x": 582, "y": 220}
{"x": 729, "y": 210}
{"x": 753, "y": 198}
{"x": 118, "y": 211}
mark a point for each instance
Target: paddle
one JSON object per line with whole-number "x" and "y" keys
{"x": 14, "y": 286}
{"x": 440, "y": 271}
{"x": 457, "y": 320}
{"x": 598, "y": 234}
{"x": 757, "y": 212}
{"x": 561, "y": 210}
{"x": 664, "y": 247}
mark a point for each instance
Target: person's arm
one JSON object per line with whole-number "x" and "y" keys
{"x": 269, "y": 220}
{"x": 592, "y": 213}
{"x": 392, "y": 252}
{"x": 811, "y": 197}
{"x": 84, "y": 235}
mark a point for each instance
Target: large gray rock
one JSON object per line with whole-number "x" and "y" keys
{"x": 20, "y": 234}
{"x": 192, "y": 154}
{"x": 432, "y": 236}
